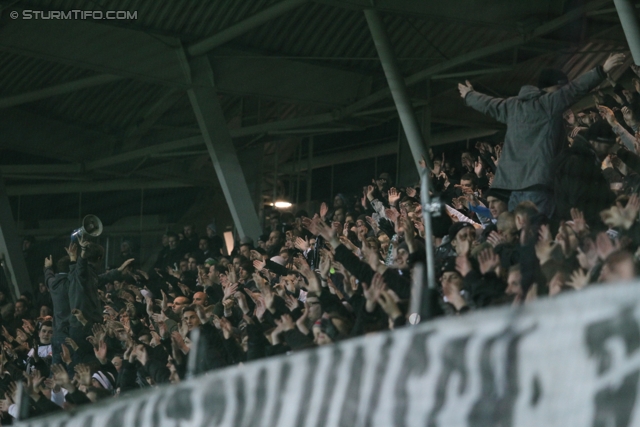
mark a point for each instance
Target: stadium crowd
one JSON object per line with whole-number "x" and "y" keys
{"x": 553, "y": 209}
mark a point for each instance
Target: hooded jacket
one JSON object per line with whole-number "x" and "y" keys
{"x": 535, "y": 132}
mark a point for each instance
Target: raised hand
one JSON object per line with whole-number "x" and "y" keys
{"x": 393, "y": 196}
{"x": 302, "y": 244}
{"x": 613, "y": 217}
{"x": 7, "y": 336}
{"x": 72, "y": 251}
{"x": 370, "y": 190}
{"x": 478, "y": 167}
{"x": 465, "y": 88}
{"x": 226, "y": 328}
{"x": 576, "y": 130}
{"x": 177, "y": 339}
{"x": 630, "y": 211}
{"x": 578, "y": 280}
{"x": 498, "y": 151}
{"x": 291, "y": 302}
{"x": 27, "y": 327}
{"x": 488, "y": 261}
{"x": 232, "y": 275}
{"x": 101, "y": 352}
{"x": 286, "y": 322}
{"x": 605, "y": 246}
{"x": 61, "y": 378}
{"x": 301, "y": 322}
{"x": 71, "y": 343}
{"x": 494, "y": 238}
{"x": 143, "y": 355}
{"x": 389, "y": 304}
{"x": 99, "y": 331}
{"x": 608, "y": 115}
{"x": 242, "y": 302}
{"x": 84, "y": 244}
{"x": 579, "y": 224}
{"x": 324, "y": 209}
{"x": 65, "y": 354}
{"x": 544, "y": 246}
{"x": 226, "y": 304}
{"x": 372, "y": 293}
{"x": 627, "y": 114}
{"x": 392, "y": 214}
{"x": 613, "y": 61}
{"x": 78, "y": 314}
{"x": 126, "y": 264}
{"x": 83, "y": 374}
{"x": 48, "y": 262}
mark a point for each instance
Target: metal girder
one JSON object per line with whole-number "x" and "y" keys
{"x": 506, "y": 13}
{"x": 30, "y": 133}
{"x": 203, "y": 46}
{"x": 397, "y": 86}
{"x": 213, "y": 125}
{"x": 427, "y": 73}
{"x": 102, "y": 48}
{"x": 138, "y": 229}
{"x": 543, "y": 29}
{"x": 378, "y": 150}
{"x": 144, "y": 152}
{"x": 11, "y": 247}
{"x": 40, "y": 169}
{"x": 629, "y": 20}
{"x": 150, "y": 117}
{"x": 471, "y": 73}
{"x": 87, "y": 82}
{"x": 121, "y": 52}
{"x": 92, "y": 186}
{"x": 286, "y": 80}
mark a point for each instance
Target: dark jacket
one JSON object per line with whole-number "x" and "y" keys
{"x": 58, "y": 285}
{"x": 535, "y": 132}
{"x": 579, "y": 183}
{"x": 84, "y": 283}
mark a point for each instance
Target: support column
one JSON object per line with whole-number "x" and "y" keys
{"x": 629, "y": 20}
{"x": 208, "y": 112}
{"x": 397, "y": 86}
{"x": 11, "y": 247}
{"x": 411, "y": 128}
{"x": 309, "y": 174}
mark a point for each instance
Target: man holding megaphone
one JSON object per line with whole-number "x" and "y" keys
{"x": 84, "y": 301}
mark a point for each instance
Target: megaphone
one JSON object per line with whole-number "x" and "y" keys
{"x": 91, "y": 226}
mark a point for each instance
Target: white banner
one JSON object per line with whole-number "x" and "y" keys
{"x": 570, "y": 361}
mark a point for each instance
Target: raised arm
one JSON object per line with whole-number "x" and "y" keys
{"x": 494, "y": 107}
{"x": 558, "y": 101}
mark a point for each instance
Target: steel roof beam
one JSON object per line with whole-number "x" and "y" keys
{"x": 203, "y": 46}
{"x": 369, "y": 152}
{"x": 383, "y": 94}
{"x": 92, "y": 186}
{"x": 215, "y": 133}
{"x": 11, "y": 247}
{"x": 60, "y": 89}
